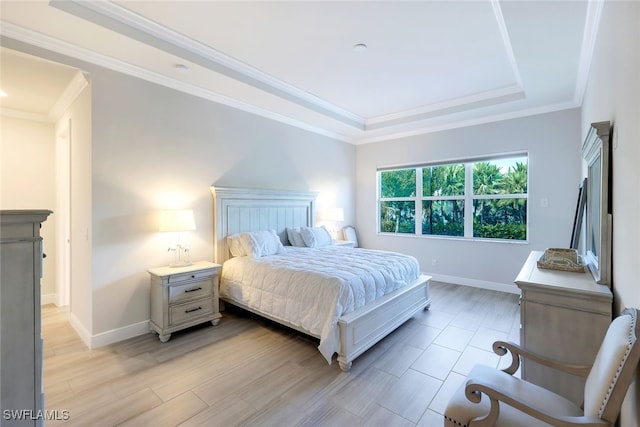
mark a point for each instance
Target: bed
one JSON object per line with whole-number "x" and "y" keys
{"x": 389, "y": 297}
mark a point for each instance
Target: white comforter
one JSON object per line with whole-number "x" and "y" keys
{"x": 311, "y": 288}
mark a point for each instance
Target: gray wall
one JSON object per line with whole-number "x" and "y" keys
{"x": 155, "y": 148}
{"x": 553, "y": 143}
{"x": 613, "y": 93}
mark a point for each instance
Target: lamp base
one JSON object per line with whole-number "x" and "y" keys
{"x": 182, "y": 264}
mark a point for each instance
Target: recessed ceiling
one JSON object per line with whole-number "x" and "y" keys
{"x": 428, "y": 65}
{"x": 33, "y": 85}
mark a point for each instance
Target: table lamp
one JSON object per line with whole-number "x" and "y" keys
{"x": 178, "y": 221}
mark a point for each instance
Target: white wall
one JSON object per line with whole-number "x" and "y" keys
{"x": 613, "y": 93}
{"x": 27, "y": 181}
{"x": 553, "y": 143}
{"x": 155, "y": 148}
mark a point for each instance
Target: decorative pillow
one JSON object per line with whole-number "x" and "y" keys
{"x": 316, "y": 237}
{"x": 257, "y": 244}
{"x": 235, "y": 245}
{"x": 294, "y": 236}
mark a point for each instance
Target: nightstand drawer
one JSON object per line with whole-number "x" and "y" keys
{"x": 185, "y": 312}
{"x": 193, "y": 275}
{"x": 190, "y": 291}
{"x": 183, "y": 296}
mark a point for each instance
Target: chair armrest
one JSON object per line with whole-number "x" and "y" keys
{"x": 476, "y": 387}
{"x": 502, "y": 347}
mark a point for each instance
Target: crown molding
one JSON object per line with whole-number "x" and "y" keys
{"x": 58, "y": 46}
{"x": 25, "y": 115}
{"x": 121, "y": 20}
{"x": 492, "y": 97}
{"x": 506, "y": 40}
{"x": 70, "y": 93}
{"x": 592, "y": 22}
{"x": 426, "y": 128}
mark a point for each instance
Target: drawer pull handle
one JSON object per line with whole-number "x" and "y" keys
{"x": 193, "y": 309}
{"x": 192, "y": 290}
{"x": 193, "y": 276}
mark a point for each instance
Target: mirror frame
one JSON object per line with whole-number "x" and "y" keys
{"x": 596, "y": 151}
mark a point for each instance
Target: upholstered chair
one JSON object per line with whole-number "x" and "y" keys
{"x": 349, "y": 233}
{"x": 492, "y": 397}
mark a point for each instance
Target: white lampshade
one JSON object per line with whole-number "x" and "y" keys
{"x": 178, "y": 220}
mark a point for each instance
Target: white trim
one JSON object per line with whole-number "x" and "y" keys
{"x": 373, "y": 126}
{"x": 491, "y": 97}
{"x": 25, "y": 115}
{"x": 120, "y": 334}
{"x": 510, "y": 288}
{"x": 82, "y": 332}
{"x": 146, "y": 31}
{"x": 506, "y": 40}
{"x": 425, "y": 129}
{"x": 592, "y": 22}
{"x": 70, "y": 93}
{"x": 108, "y": 337}
{"x": 64, "y": 48}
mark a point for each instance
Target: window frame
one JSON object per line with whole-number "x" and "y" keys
{"x": 469, "y": 197}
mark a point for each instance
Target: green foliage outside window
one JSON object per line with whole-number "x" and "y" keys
{"x": 398, "y": 183}
{"x": 498, "y": 207}
{"x": 446, "y": 180}
{"x": 503, "y": 218}
{"x": 443, "y": 217}
{"x": 398, "y": 217}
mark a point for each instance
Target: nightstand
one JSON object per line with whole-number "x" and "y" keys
{"x": 346, "y": 243}
{"x": 183, "y": 297}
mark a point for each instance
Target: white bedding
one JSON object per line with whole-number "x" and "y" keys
{"x": 310, "y": 288}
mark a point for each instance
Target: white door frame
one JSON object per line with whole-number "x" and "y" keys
{"x": 63, "y": 214}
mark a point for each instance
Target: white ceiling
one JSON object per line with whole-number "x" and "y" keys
{"x": 429, "y": 65}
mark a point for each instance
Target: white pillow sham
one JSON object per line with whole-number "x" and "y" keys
{"x": 235, "y": 245}
{"x": 295, "y": 238}
{"x": 257, "y": 244}
{"x": 316, "y": 237}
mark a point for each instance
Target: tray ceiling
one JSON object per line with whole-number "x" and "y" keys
{"x": 427, "y": 65}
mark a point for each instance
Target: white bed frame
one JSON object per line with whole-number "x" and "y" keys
{"x": 241, "y": 209}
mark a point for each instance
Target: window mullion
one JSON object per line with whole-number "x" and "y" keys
{"x": 468, "y": 200}
{"x": 418, "y": 200}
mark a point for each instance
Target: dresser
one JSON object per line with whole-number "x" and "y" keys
{"x": 21, "y": 391}
{"x": 183, "y": 297}
{"x": 563, "y": 316}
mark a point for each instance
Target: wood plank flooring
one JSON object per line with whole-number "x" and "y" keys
{"x": 249, "y": 372}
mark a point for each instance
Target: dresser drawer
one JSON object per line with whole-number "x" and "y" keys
{"x": 194, "y": 275}
{"x": 190, "y": 291}
{"x": 186, "y": 312}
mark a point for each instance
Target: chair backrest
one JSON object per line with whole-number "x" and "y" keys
{"x": 614, "y": 367}
{"x": 349, "y": 233}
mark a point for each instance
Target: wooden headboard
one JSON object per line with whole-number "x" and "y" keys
{"x": 244, "y": 209}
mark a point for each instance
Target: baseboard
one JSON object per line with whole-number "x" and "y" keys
{"x": 510, "y": 288}
{"x": 82, "y": 332}
{"x": 109, "y": 337}
{"x": 48, "y": 299}
{"x": 120, "y": 334}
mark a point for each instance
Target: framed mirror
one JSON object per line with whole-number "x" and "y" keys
{"x": 596, "y": 152}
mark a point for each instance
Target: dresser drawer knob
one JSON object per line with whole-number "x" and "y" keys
{"x": 193, "y": 276}
{"x": 193, "y": 309}
{"x": 192, "y": 290}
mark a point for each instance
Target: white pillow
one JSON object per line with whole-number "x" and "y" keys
{"x": 257, "y": 244}
{"x": 294, "y": 236}
{"x": 316, "y": 237}
{"x": 234, "y": 243}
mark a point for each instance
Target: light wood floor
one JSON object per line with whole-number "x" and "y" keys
{"x": 248, "y": 372}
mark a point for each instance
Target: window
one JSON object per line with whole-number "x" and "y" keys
{"x": 483, "y": 199}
